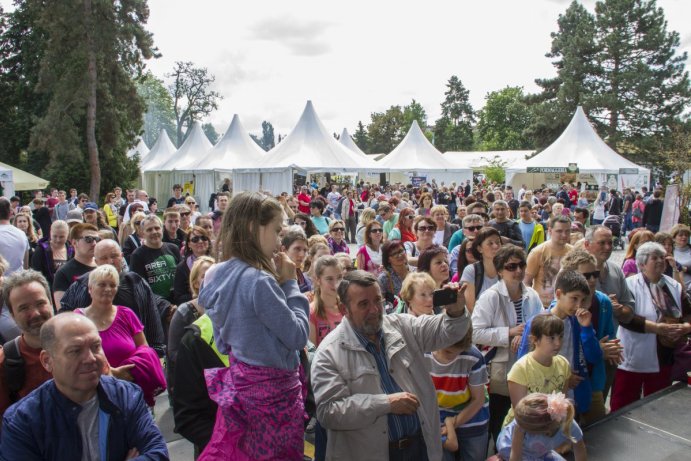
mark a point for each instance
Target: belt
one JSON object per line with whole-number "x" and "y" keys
{"x": 405, "y": 442}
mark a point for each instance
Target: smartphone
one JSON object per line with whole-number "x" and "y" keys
{"x": 444, "y": 297}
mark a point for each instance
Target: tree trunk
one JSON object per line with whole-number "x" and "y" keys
{"x": 92, "y": 82}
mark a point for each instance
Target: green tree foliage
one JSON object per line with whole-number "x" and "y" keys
{"x": 91, "y": 53}
{"x": 453, "y": 131}
{"x": 495, "y": 171}
{"x": 268, "y": 139}
{"x": 192, "y": 96}
{"x": 411, "y": 112}
{"x": 361, "y": 137}
{"x": 159, "y": 108}
{"x": 386, "y": 130}
{"x": 574, "y": 51}
{"x": 210, "y": 132}
{"x": 503, "y": 121}
{"x": 642, "y": 88}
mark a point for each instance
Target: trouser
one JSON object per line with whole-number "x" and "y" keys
{"x": 597, "y": 410}
{"x": 610, "y": 373}
{"x": 319, "y": 442}
{"x": 498, "y": 408}
{"x": 413, "y": 450}
{"x": 628, "y": 385}
{"x": 628, "y": 223}
{"x": 350, "y": 229}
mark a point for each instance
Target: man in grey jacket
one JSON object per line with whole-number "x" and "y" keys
{"x": 373, "y": 392}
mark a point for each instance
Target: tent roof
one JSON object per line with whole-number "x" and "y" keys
{"x": 235, "y": 150}
{"x": 311, "y": 147}
{"x": 141, "y": 148}
{"x": 480, "y": 159}
{"x": 579, "y": 144}
{"x": 23, "y": 180}
{"x": 195, "y": 147}
{"x": 347, "y": 141}
{"x": 416, "y": 153}
{"x": 162, "y": 150}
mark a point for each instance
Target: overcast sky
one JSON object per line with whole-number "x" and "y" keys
{"x": 357, "y": 57}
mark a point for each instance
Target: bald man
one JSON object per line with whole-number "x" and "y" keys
{"x": 81, "y": 413}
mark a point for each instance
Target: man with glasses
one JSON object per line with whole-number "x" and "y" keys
{"x": 83, "y": 238}
{"x": 532, "y": 231}
{"x": 389, "y": 218}
{"x": 472, "y": 224}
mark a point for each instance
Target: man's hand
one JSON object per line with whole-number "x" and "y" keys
{"x": 584, "y": 317}
{"x": 515, "y": 344}
{"x": 612, "y": 350}
{"x": 133, "y": 453}
{"x": 574, "y": 380}
{"x": 123, "y": 372}
{"x": 403, "y": 403}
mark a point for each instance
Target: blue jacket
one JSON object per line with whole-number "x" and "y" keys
{"x": 605, "y": 327}
{"x": 587, "y": 348}
{"x": 43, "y": 425}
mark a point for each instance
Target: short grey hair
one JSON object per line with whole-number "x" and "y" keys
{"x": 358, "y": 277}
{"x": 471, "y": 218}
{"x": 103, "y": 272}
{"x": 592, "y": 230}
{"x": 648, "y": 249}
{"x": 149, "y": 218}
{"x": 21, "y": 278}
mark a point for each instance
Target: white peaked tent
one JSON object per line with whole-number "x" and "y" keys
{"x": 141, "y": 149}
{"x": 162, "y": 150}
{"x": 416, "y": 156}
{"x": 309, "y": 148}
{"x": 579, "y": 146}
{"x": 235, "y": 150}
{"x": 347, "y": 141}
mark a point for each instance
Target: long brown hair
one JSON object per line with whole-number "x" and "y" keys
{"x": 239, "y": 235}
{"x": 637, "y": 240}
{"x": 320, "y": 266}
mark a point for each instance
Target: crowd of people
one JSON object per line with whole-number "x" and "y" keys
{"x": 392, "y": 322}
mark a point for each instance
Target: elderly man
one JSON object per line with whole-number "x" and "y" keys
{"x": 79, "y": 414}
{"x": 373, "y": 392}
{"x": 28, "y": 300}
{"x": 133, "y": 292}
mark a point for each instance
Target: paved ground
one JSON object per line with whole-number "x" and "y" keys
{"x": 181, "y": 450}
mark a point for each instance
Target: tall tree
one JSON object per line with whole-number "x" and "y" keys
{"x": 360, "y": 137}
{"x": 193, "y": 98}
{"x": 159, "y": 108}
{"x": 574, "y": 51}
{"x": 386, "y": 130}
{"x": 414, "y": 111}
{"x": 503, "y": 121}
{"x": 453, "y": 131}
{"x": 92, "y": 53}
{"x": 210, "y": 132}
{"x": 268, "y": 139}
{"x": 643, "y": 87}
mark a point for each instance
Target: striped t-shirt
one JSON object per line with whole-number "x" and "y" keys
{"x": 453, "y": 381}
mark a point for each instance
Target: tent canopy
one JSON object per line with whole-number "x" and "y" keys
{"x": 347, "y": 141}
{"x": 162, "y": 151}
{"x": 311, "y": 148}
{"x": 235, "y": 150}
{"x": 23, "y": 180}
{"x": 195, "y": 147}
{"x": 580, "y": 146}
{"x": 141, "y": 149}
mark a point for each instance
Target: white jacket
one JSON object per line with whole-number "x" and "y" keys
{"x": 493, "y": 309}
{"x": 640, "y": 349}
{"x": 347, "y": 387}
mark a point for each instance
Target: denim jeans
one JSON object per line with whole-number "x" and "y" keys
{"x": 469, "y": 448}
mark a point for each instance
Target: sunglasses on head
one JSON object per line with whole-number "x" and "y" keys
{"x": 592, "y": 275}
{"x": 89, "y": 239}
{"x": 511, "y": 267}
{"x": 474, "y": 228}
{"x": 199, "y": 238}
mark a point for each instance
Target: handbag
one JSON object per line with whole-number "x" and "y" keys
{"x": 498, "y": 371}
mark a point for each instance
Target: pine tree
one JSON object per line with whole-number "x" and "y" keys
{"x": 360, "y": 137}
{"x": 454, "y": 130}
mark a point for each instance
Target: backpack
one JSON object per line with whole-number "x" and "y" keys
{"x": 637, "y": 213}
{"x": 15, "y": 375}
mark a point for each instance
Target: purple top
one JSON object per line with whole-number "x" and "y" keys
{"x": 629, "y": 267}
{"x": 338, "y": 247}
{"x": 118, "y": 338}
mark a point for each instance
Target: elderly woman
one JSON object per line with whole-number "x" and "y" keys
{"x": 499, "y": 320}
{"x": 442, "y": 236}
{"x": 682, "y": 252}
{"x": 660, "y": 324}
{"x": 135, "y": 237}
{"x": 122, "y": 335}
{"x": 186, "y": 313}
{"x": 197, "y": 244}
{"x": 424, "y": 228}
{"x": 417, "y": 295}
{"x": 52, "y": 252}
{"x": 395, "y": 263}
{"x": 369, "y": 257}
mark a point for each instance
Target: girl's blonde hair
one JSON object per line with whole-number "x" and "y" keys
{"x": 30, "y": 231}
{"x": 320, "y": 265}
{"x": 414, "y": 280}
{"x": 239, "y": 234}
{"x": 534, "y": 413}
{"x": 313, "y": 249}
{"x": 138, "y": 216}
{"x": 367, "y": 215}
{"x": 196, "y": 271}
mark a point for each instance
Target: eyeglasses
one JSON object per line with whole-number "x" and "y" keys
{"x": 191, "y": 203}
{"x": 426, "y": 228}
{"x": 398, "y": 254}
{"x": 199, "y": 238}
{"x": 377, "y": 231}
{"x": 511, "y": 267}
{"x": 591, "y": 275}
{"x": 338, "y": 229}
{"x": 89, "y": 239}
{"x": 474, "y": 228}
{"x": 185, "y": 214}
{"x": 137, "y": 223}
{"x": 301, "y": 223}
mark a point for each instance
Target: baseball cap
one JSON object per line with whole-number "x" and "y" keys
{"x": 90, "y": 206}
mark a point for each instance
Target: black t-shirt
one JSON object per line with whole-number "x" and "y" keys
{"x": 68, "y": 273}
{"x": 175, "y": 201}
{"x": 157, "y": 267}
{"x": 178, "y": 240}
{"x": 42, "y": 216}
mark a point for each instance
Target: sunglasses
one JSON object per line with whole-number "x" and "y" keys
{"x": 592, "y": 275}
{"x": 511, "y": 267}
{"x": 426, "y": 228}
{"x": 410, "y": 216}
{"x": 397, "y": 254}
{"x": 474, "y": 228}
{"x": 338, "y": 229}
{"x": 377, "y": 231}
{"x": 137, "y": 223}
{"x": 199, "y": 238}
{"x": 185, "y": 214}
{"x": 191, "y": 203}
{"x": 89, "y": 239}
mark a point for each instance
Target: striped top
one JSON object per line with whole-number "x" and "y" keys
{"x": 453, "y": 381}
